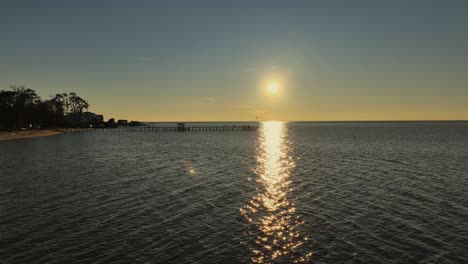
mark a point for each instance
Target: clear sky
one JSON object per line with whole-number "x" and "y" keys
{"x": 212, "y": 60}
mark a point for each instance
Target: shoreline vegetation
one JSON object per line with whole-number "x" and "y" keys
{"x": 24, "y": 114}
{"x": 22, "y": 108}
{"x": 24, "y": 134}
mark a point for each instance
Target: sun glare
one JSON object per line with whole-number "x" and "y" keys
{"x": 273, "y": 87}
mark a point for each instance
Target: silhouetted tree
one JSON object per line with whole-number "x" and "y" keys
{"x": 22, "y": 107}
{"x": 77, "y": 104}
{"x": 24, "y": 104}
{"x": 7, "y": 104}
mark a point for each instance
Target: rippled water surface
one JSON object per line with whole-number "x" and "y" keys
{"x": 288, "y": 193}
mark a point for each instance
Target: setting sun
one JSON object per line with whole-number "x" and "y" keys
{"x": 273, "y": 87}
{"x": 249, "y": 132}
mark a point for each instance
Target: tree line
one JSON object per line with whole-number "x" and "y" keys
{"x": 22, "y": 107}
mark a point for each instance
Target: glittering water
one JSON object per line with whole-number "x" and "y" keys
{"x": 291, "y": 192}
{"x": 274, "y": 224}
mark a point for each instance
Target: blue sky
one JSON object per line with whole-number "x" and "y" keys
{"x": 211, "y": 60}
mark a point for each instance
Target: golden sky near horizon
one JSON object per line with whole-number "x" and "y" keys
{"x": 230, "y": 61}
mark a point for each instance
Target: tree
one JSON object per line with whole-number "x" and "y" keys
{"x": 7, "y": 103}
{"x": 22, "y": 106}
{"x": 77, "y": 104}
{"x": 59, "y": 102}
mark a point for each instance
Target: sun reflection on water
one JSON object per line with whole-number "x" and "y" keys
{"x": 274, "y": 227}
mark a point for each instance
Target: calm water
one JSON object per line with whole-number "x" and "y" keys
{"x": 295, "y": 192}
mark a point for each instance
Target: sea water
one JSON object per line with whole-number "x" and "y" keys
{"x": 311, "y": 192}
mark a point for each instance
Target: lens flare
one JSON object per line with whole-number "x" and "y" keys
{"x": 188, "y": 168}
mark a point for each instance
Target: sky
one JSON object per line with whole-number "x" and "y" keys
{"x": 213, "y": 60}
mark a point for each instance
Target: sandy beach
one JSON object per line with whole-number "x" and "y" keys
{"x": 5, "y": 135}
{"x": 27, "y": 134}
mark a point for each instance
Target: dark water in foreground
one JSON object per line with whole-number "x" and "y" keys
{"x": 397, "y": 193}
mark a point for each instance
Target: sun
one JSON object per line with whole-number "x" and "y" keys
{"x": 273, "y": 87}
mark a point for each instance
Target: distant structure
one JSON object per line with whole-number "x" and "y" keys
{"x": 85, "y": 119}
{"x": 111, "y": 123}
{"x": 180, "y": 127}
{"x": 122, "y": 122}
{"x": 135, "y": 123}
{"x": 99, "y": 118}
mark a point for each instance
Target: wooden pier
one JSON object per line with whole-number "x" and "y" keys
{"x": 179, "y": 128}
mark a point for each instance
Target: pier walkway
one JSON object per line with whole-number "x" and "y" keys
{"x": 179, "y": 128}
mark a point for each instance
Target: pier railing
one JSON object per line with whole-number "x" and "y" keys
{"x": 179, "y": 128}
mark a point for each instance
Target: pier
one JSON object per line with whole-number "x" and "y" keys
{"x": 181, "y": 127}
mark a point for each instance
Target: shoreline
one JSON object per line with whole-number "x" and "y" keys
{"x": 5, "y": 135}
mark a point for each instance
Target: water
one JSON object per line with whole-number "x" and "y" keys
{"x": 291, "y": 192}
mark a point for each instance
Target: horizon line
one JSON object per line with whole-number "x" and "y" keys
{"x": 317, "y": 121}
